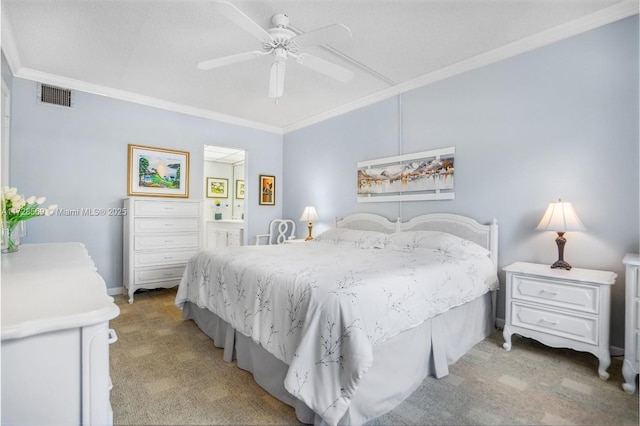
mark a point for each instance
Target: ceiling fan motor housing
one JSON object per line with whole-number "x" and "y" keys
{"x": 281, "y": 38}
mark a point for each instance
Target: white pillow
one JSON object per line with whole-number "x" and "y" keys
{"x": 434, "y": 240}
{"x": 354, "y": 237}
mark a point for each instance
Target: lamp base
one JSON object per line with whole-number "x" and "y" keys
{"x": 561, "y": 264}
{"x": 309, "y": 227}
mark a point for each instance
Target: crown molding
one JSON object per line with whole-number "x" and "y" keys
{"x": 110, "y": 92}
{"x": 586, "y": 23}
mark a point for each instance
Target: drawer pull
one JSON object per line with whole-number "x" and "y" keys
{"x": 168, "y": 257}
{"x": 168, "y": 224}
{"x": 168, "y": 274}
{"x": 549, "y": 321}
{"x": 168, "y": 241}
{"x": 554, "y": 292}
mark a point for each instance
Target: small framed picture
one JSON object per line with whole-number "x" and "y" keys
{"x": 217, "y": 187}
{"x": 267, "y": 190}
{"x": 240, "y": 189}
{"x": 158, "y": 172}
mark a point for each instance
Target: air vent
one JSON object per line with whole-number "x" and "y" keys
{"x": 55, "y": 95}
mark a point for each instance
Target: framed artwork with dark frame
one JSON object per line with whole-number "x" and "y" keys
{"x": 158, "y": 172}
{"x": 267, "y": 190}
{"x": 217, "y": 187}
{"x": 240, "y": 189}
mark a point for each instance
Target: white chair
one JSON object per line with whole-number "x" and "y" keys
{"x": 280, "y": 230}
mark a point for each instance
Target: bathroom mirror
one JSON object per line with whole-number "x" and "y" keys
{"x": 224, "y": 183}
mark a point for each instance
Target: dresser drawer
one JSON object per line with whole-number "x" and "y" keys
{"x": 579, "y": 328}
{"x": 151, "y": 275}
{"x": 570, "y": 296}
{"x": 637, "y": 314}
{"x": 165, "y": 208}
{"x": 166, "y": 241}
{"x": 163, "y": 258}
{"x": 152, "y": 224}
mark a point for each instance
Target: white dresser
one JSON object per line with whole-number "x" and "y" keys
{"x": 225, "y": 233}
{"x": 631, "y": 365}
{"x": 560, "y": 308}
{"x": 160, "y": 236}
{"x": 55, "y": 337}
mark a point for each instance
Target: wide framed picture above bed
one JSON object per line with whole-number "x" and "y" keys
{"x": 426, "y": 175}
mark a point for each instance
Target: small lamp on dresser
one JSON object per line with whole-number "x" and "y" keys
{"x": 560, "y": 217}
{"x": 309, "y": 215}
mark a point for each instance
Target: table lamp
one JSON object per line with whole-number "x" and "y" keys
{"x": 560, "y": 217}
{"x": 309, "y": 215}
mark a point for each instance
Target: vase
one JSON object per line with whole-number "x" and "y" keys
{"x": 10, "y": 238}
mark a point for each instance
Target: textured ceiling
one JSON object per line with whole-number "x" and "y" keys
{"x": 147, "y": 50}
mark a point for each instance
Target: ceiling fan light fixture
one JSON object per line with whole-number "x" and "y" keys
{"x": 276, "y": 80}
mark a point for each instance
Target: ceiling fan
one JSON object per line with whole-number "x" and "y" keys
{"x": 282, "y": 43}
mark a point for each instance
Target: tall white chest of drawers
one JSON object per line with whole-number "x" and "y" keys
{"x": 160, "y": 236}
{"x": 631, "y": 365}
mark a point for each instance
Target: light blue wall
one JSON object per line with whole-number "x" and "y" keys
{"x": 560, "y": 121}
{"x": 77, "y": 158}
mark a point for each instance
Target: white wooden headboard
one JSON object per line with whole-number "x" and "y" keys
{"x": 462, "y": 226}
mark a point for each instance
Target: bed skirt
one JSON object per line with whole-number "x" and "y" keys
{"x": 399, "y": 365}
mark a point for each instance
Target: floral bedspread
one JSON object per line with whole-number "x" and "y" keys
{"x": 321, "y": 308}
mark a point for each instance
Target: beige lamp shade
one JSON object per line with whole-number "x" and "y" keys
{"x": 309, "y": 214}
{"x": 560, "y": 217}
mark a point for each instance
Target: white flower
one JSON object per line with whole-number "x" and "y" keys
{"x": 40, "y": 200}
{"x": 31, "y": 199}
{"x": 51, "y": 209}
{"x": 15, "y": 199}
{"x": 10, "y": 192}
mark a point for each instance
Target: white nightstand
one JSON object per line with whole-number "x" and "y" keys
{"x": 631, "y": 365}
{"x": 560, "y": 308}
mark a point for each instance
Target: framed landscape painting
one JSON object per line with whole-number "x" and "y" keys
{"x": 217, "y": 187}
{"x": 158, "y": 172}
{"x": 267, "y": 190}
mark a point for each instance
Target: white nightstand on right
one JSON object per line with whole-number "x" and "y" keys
{"x": 631, "y": 364}
{"x": 560, "y": 308}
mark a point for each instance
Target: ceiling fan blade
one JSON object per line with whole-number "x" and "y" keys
{"x": 236, "y": 16}
{"x": 325, "y": 67}
{"x": 325, "y": 35}
{"x": 228, "y": 60}
{"x": 276, "y": 79}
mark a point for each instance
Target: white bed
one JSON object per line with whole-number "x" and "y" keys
{"x": 346, "y": 327}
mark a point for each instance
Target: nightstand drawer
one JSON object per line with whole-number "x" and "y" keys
{"x": 166, "y": 241}
{"x": 570, "y": 296}
{"x": 582, "y": 329}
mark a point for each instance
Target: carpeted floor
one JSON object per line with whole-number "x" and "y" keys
{"x": 165, "y": 371}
